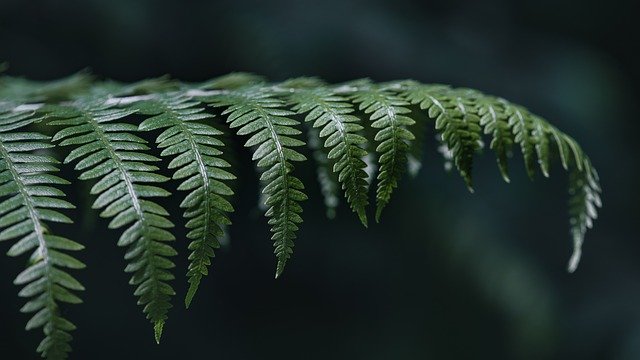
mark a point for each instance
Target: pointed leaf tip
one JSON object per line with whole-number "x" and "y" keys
{"x": 193, "y": 288}
{"x": 378, "y": 214}
{"x": 574, "y": 261}
{"x": 362, "y": 215}
{"x": 279, "y": 269}
{"x": 157, "y": 329}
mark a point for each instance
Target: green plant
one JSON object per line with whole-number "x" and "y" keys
{"x": 99, "y": 127}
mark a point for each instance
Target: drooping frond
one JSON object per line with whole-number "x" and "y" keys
{"x": 107, "y": 151}
{"x": 333, "y": 115}
{"x": 261, "y": 115}
{"x": 455, "y": 119}
{"x": 30, "y": 201}
{"x": 584, "y": 199}
{"x": 357, "y": 131}
{"x": 388, "y": 115}
{"x": 194, "y": 147}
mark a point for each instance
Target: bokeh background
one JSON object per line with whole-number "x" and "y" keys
{"x": 447, "y": 274}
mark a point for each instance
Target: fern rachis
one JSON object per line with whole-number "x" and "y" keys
{"x": 354, "y": 129}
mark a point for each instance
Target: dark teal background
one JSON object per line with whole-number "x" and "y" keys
{"x": 447, "y": 274}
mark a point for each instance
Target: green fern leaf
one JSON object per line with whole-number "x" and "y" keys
{"x": 388, "y": 115}
{"x": 584, "y": 192}
{"x": 540, "y": 136}
{"x": 522, "y": 124}
{"x": 258, "y": 113}
{"x": 108, "y": 151}
{"x": 455, "y": 119}
{"x": 31, "y": 199}
{"x": 333, "y": 115}
{"x": 194, "y": 149}
{"x": 495, "y": 121}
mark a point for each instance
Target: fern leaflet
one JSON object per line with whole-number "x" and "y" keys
{"x": 522, "y": 124}
{"x": 194, "y": 148}
{"x": 107, "y": 151}
{"x": 388, "y": 115}
{"x": 31, "y": 200}
{"x": 495, "y": 122}
{"x": 333, "y": 115}
{"x": 455, "y": 119}
{"x": 261, "y": 114}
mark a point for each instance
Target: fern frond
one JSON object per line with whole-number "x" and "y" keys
{"x": 195, "y": 151}
{"x": 584, "y": 192}
{"x": 108, "y": 151}
{"x": 31, "y": 200}
{"x": 388, "y": 115}
{"x": 343, "y": 123}
{"x": 495, "y": 122}
{"x": 333, "y": 116}
{"x": 261, "y": 115}
{"x": 455, "y": 119}
{"x": 522, "y": 124}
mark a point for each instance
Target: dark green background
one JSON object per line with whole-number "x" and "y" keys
{"x": 447, "y": 275}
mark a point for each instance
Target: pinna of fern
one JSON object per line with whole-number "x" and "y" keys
{"x": 100, "y": 127}
{"x": 30, "y": 202}
{"x": 194, "y": 149}
{"x": 108, "y": 152}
